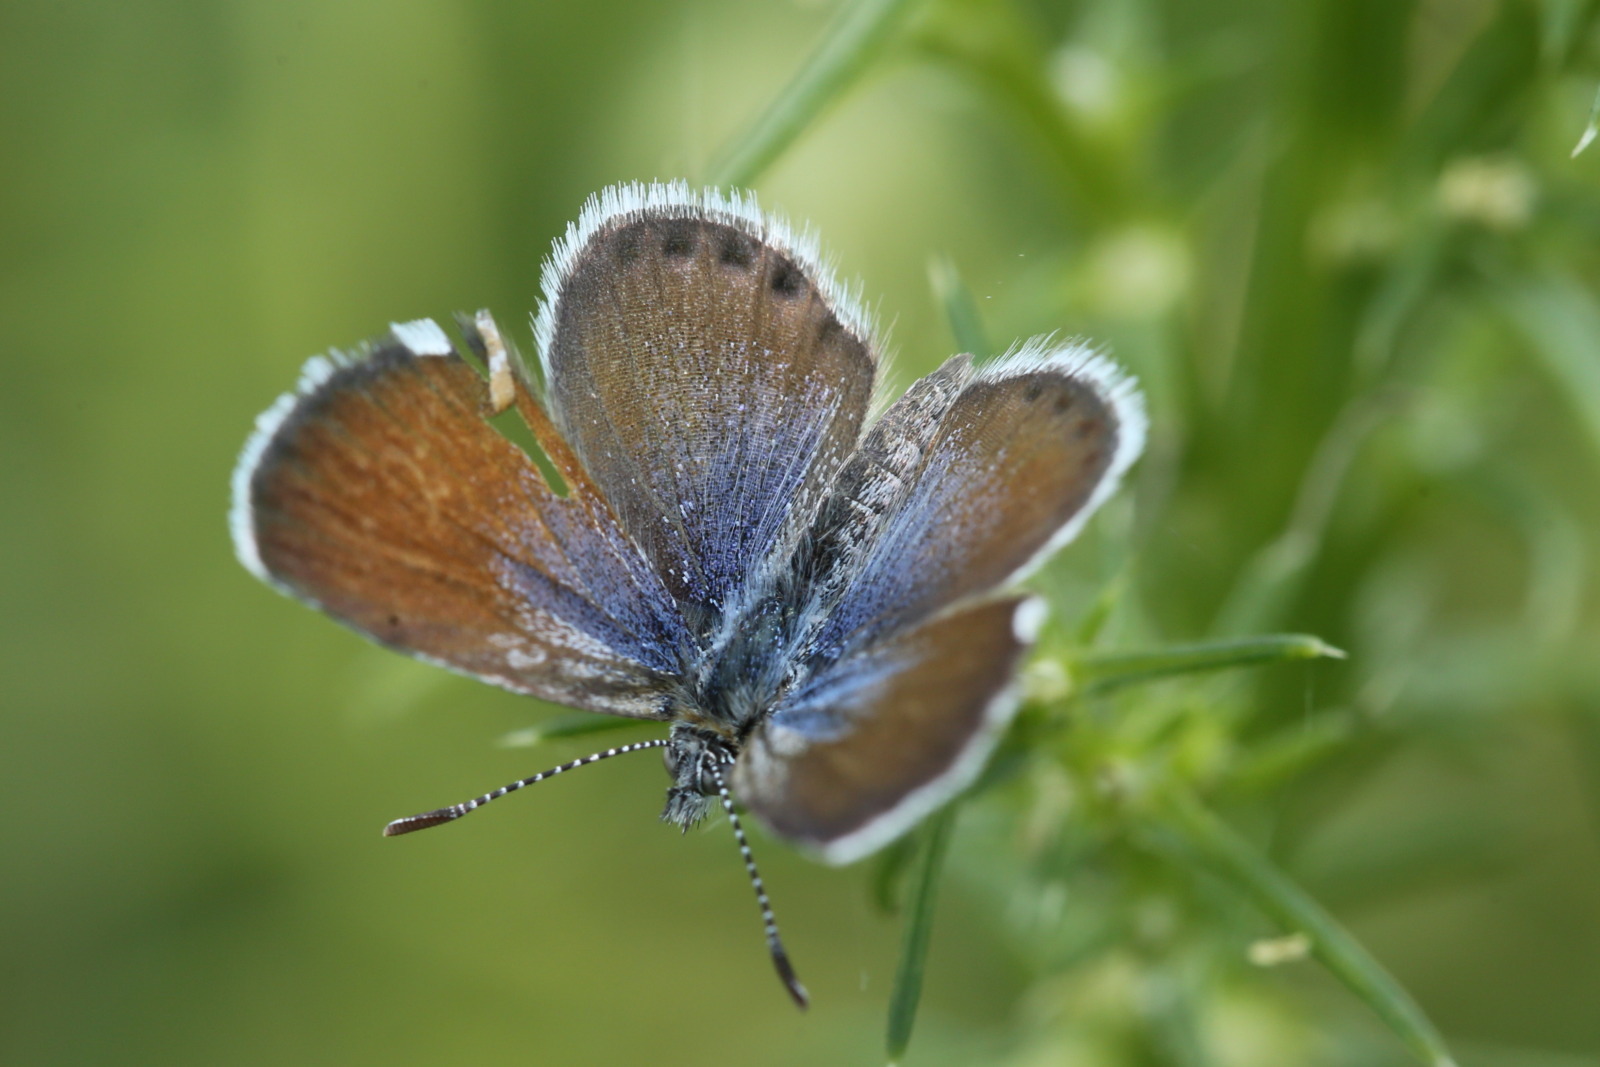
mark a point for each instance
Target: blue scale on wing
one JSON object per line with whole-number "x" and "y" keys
{"x": 1015, "y": 458}
{"x": 872, "y": 489}
{"x": 905, "y": 675}
{"x": 583, "y": 572}
{"x": 755, "y": 664}
{"x": 711, "y": 431}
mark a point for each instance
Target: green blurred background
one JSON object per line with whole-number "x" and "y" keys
{"x": 1341, "y": 241}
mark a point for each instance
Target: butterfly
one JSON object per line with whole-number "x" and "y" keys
{"x": 722, "y": 538}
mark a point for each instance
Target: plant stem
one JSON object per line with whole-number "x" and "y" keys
{"x": 1099, "y": 671}
{"x": 1235, "y": 859}
{"x": 857, "y": 36}
{"x": 1589, "y": 130}
{"x": 919, "y": 929}
{"x": 960, "y": 309}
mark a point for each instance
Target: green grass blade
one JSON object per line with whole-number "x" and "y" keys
{"x": 919, "y": 929}
{"x": 1263, "y": 593}
{"x": 577, "y": 724}
{"x": 856, "y": 38}
{"x": 1561, "y": 319}
{"x": 890, "y": 872}
{"x": 960, "y": 309}
{"x": 998, "y": 49}
{"x": 1236, "y": 860}
{"x": 1591, "y": 130}
{"x": 1100, "y": 671}
{"x": 1280, "y": 757}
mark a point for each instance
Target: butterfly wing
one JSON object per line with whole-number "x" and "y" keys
{"x": 960, "y": 487}
{"x": 1003, "y": 470}
{"x": 711, "y": 376}
{"x": 378, "y": 493}
{"x": 885, "y": 737}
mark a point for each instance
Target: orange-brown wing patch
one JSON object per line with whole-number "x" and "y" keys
{"x": 381, "y": 495}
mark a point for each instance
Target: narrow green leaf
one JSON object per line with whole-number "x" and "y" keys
{"x": 890, "y": 870}
{"x": 1561, "y": 319}
{"x": 858, "y": 35}
{"x": 1560, "y": 24}
{"x": 1404, "y": 285}
{"x": 919, "y": 929}
{"x": 960, "y": 309}
{"x": 1554, "y": 540}
{"x": 1285, "y": 755}
{"x": 1099, "y": 612}
{"x": 1265, "y": 589}
{"x": 578, "y": 724}
{"x": 999, "y": 49}
{"x": 1237, "y": 861}
{"x": 1100, "y": 671}
{"x": 1590, "y": 131}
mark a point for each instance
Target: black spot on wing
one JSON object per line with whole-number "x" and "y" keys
{"x": 734, "y": 249}
{"x": 786, "y": 280}
{"x": 625, "y": 243}
{"x": 679, "y": 237}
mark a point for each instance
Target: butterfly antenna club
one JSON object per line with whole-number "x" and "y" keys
{"x": 780, "y": 957}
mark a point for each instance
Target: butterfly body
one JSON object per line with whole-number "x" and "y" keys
{"x": 697, "y": 759}
{"x": 772, "y": 645}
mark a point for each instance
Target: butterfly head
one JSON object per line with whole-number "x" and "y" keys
{"x": 698, "y": 759}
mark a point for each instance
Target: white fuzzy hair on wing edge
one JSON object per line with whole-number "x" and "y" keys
{"x": 1116, "y": 387}
{"x": 629, "y": 201}
{"x": 241, "y": 519}
{"x": 1120, "y": 392}
{"x": 930, "y": 796}
{"x": 421, "y": 337}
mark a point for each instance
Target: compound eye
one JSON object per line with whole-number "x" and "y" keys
{"x": 706, "y": 779}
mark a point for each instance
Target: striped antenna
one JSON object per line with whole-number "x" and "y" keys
{"x": 780, "y": 958}
{"x": 455, "y": 811}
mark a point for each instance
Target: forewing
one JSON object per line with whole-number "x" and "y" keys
{"x": 978, "y": 488}
{"x": 888, "y": 734}
{"x": 378, "y": 493}
{"x": 709, "y": 373}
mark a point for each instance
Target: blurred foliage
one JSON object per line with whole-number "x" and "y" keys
{"x": 1344, "y": 243}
